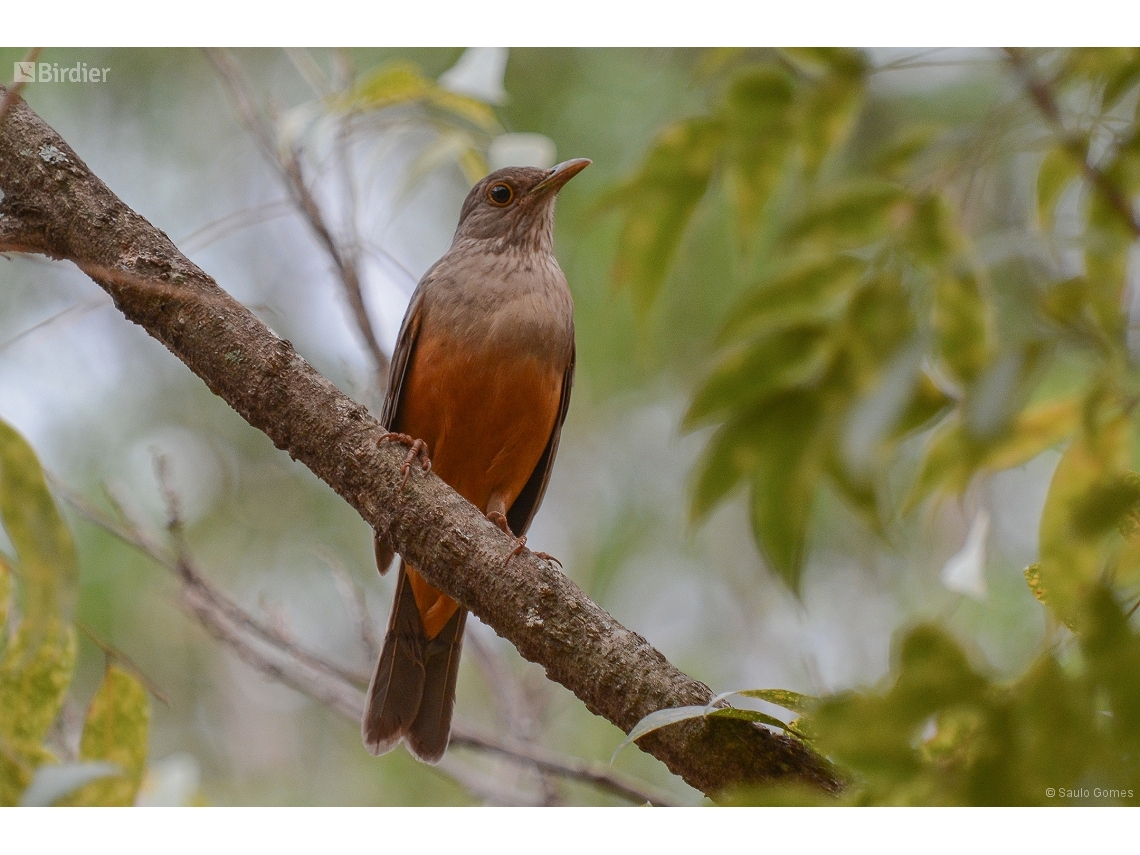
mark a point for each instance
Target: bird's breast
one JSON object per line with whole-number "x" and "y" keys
{"x": 485, "y": 382}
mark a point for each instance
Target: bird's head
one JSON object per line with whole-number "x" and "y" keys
{"x": 513, "y": 208}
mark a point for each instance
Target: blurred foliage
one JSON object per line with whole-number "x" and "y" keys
{"x": 874, "y": 316}
{"x": 945, "y": 734}
{"x": 38, "y": 658}
{"x": 879, "y": 319}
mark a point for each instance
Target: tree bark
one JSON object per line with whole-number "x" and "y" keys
{"x": 53, "y": 205}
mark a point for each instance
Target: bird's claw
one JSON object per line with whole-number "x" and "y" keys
{"x": 417, "y": 449}
{"x": 520, "y": 542}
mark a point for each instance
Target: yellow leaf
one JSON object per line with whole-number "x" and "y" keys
{"x": 46, "y": 564}
{"x": 1073, "y": 548}
{"x": 116, "y": 732}
{"x": 18, "y": 764}
{"x": 34, "y": 681}
{"x": 1057, "y": 169}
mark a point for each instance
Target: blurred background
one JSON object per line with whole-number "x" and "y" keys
{"x": 100, "y": 401}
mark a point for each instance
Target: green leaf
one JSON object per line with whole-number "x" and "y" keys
{"x": 828, "y": 115}
{"x": 850, "y": 215}
{"x": 46, "y": 562}
{"x": 877, "y": 737}
{"x": 815, "y": 287}
{"x": 5, "y": 599}
{"x": 116, "y": 732}
{"x": 899, "y": 156}
{"x": 400, "y": 83}
{"x": 794, "y": 701}
{"x": 1112, "y": 650}
{"x": 676, "y": 715}
{"x": 1073, "y": 523}
{"x": 962, "y": 325}
{"x": 769, "y": 365}
{"x": 726, "y": 459}
{"x": 954, "y": 455}
{"x": 758, "y": 121}
{"x": 1123, "y": 169}
{"x": 1058, "y": 169}
{"x": 1121, "y": 79}
{"x": 659, "y": 719}
{"x": 928, "y": 401}
{"x": 34, "y": 681}
{"x": 784, "y": 477}
{"x": 932, "y": 235}
{"x": 660, "y": 201}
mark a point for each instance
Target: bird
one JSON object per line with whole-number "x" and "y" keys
{"x": 478, "y": 389}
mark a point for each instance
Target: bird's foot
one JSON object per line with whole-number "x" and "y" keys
{"x": 520, "y": 542}
{"x": 417, "y": 449}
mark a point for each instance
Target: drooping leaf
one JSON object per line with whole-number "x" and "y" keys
{"x": 726, "y": 459}
{"x": 115, "y": 731}
{"x": 786, "y": 472}
{"x": 659, "y": 202}
{"x": 46, "y": 563}
{"x": 758, "y": 118}
{"x": 659, "y": 719}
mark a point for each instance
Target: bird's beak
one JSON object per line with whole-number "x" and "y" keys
{"x": 560, "y": 174}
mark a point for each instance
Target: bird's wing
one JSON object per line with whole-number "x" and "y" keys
{"x": 401, "y": 360}
{"x": 526, "y": 505}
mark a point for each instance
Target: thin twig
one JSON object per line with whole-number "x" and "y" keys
{"x": 516, "y": 712}
{"x": 113, "y": 653}
{"x": 1074, "y": 143}
{"x": 325, "y": 682}
{"x": 588, "y": 771}
{"x": 14, "y": 90}
{"x": 288, "y": 164}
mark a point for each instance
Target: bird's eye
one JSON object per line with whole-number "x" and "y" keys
{"x": 500, "y": 194}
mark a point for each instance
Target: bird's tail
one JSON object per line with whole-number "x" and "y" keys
{"x": 413, "y": 690}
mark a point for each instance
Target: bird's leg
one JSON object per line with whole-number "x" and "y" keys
{"x": 520, "y": 542}
{"x": 417, "y": 448}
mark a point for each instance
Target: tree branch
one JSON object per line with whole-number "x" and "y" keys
{"x": 55, "y": 206}
{"x": 282, "y": 659}
{"x": 1077, "y": 145}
